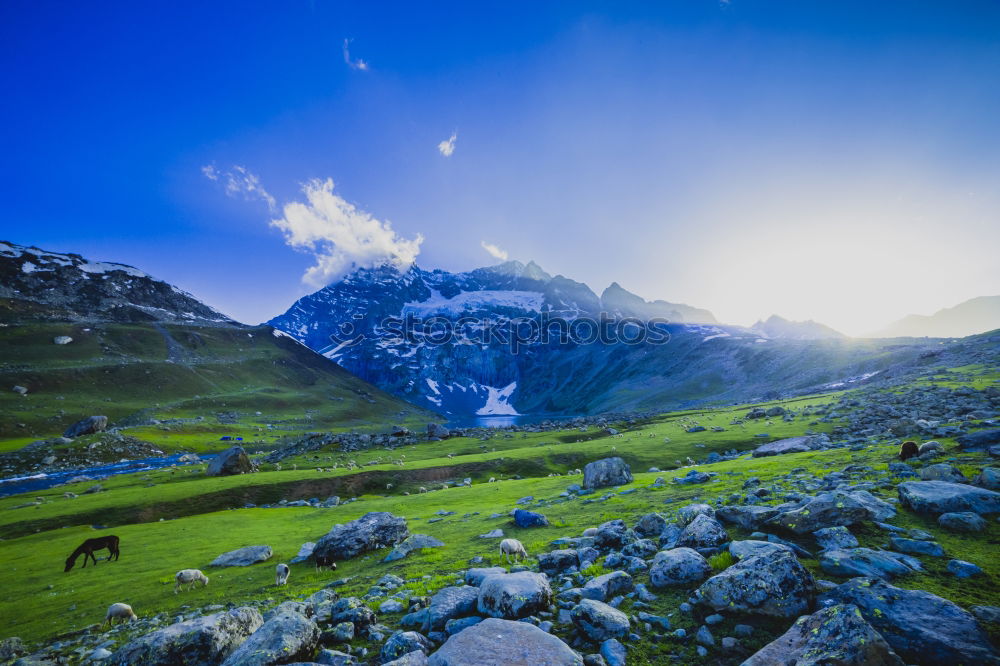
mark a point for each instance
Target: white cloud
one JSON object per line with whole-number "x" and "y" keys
{"x": 358, "y": 64}
{"x": 447, "y": 147}
{"x": 240, "y": 181}
{"x": 494, "y": 251}
{"x": 340, "y": 236}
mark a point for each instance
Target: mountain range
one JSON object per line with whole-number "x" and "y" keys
{"x": 472, "y": 375}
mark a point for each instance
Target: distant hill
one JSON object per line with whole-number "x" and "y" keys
{"x": 780, "y": 328}
{"x": 976, "y": 315}
{"x": 143, "y": 351}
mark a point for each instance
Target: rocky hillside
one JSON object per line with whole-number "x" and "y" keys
{"x": 81, "y": 338}
{"x": 69, "y": 287}
{"x": 779, "y": 327}
{"x": 479, "y": 372}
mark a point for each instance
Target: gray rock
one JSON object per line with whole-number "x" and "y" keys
{"x": 613, "y": 652}
{"x": 988, "y": 477}
{"x": 834, "y": 635}
{"x": 415, "y": 658}
{"x": 599, "y": 621}
{"x": 353, "y": 610}
{"x": 606, "y": 472}
{"x": 11, "y": 648}
{"x": 688, "y": 513}
{"x": 964, "y": 521}
{"x": 916, "y": 546}
{"x": 920, "y": 627}
{"x": 607, "y": 586}
{"x": 833, "y": 509}
{"x": 369, "y": 532}
{"x": 515, "y": 595}
{"x": 830, "y": 538}
{"x": 963, "y": 569}
{"x": 343, "y": 632}
{"x": 558, "y": 561}
{"x": 243, "y": 557}
{"x": 335, "y": 658}
{"x": 704, "y": 637}
{"x": 987, "y": 614}
{"x": 741, "y": 550}
{"x": 749, "y": 517}
{"x": 651, "y": 525}
{"x": 703, "y": 532}
{"x": 692, "y": 477}
{"x": 476, "y": 575}
{"x": 944, "y": 497}
{"x": 942, "y": 472}
{"x": 438, "y": 430}
{"x": 866, "y": 562}
{"x": 204, "y": 640}
{"x": 678, "y": 566}
{"x": 403, "y": 643}
{"x": 450, "y": 603}
{"x": 87, "y": 426}
{"x": 789, "y": 445}
{"x": 284, "y": 638}
{"x": 232, "y": 461}
{"x": 412, "y": 543}
{"x": 495, "y": 642}
{"x": 771, "y": 584}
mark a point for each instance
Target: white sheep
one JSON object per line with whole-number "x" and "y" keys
{"x": 121, "y": 612}
{"x": 512, "y": 548}
{"x": 422, "y": 489}
{"x": 281, "y": 574}
{"x": 492, "y": 479}
{"x": 388, "y": 486}
{"x": 189, "y": 577}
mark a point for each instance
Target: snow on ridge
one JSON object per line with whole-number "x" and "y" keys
{"x": 473, "y": 300}
{"x": 497, "y": 401}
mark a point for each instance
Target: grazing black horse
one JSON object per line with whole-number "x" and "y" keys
{"x": 89, "y": 546}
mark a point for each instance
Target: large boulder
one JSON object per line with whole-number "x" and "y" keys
{"x": 495, "y": 642}
{"x": 233, "y": 460}
{"x": 772, "y": 584}
{"x": 87, "y": 426}
{"x": 831, "y": 538}
{"x": 525, "y": 518}
{"x": 438, "y": 430}
{"x": 741, "y": 550}
{"x": 824, "y": 510}
{"x": 450, "y": 603}
{"x": 750, "y": 517}
{"x": 789, "y": 445}
{"x": 371, "y": 531}
{"x": 513, "y": 596}
{"x": 988, "y": 477}
{"x": 688, "y": 513}
{"x": 243, "y": 557}
{"x": 284, "y": 638}
{"x": 558, "y": 562}
{"x": 651, "y": 525}
{"x": 678, "y": 566}
{"x": 204, "y": 640}
{"x": 922, "y": 628}
{"x": 703, "y": 532}
{"x": 606, "y": 472}
{"x": 607, "y": 586}
{"x": 867, "y": 562}
{"x": 835, "y": 635}
{"x": 945, "y": 497}
{"x": 599, "y": 621}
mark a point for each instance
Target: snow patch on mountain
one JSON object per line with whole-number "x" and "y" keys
{"x": 498, "y": 401}
{"x": 472, "y": 301}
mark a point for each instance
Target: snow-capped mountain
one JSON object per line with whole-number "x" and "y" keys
{"x": 779, "y": 327}
{"x": 70, "y": 286}
{"x": 476, "y": 372}
{"x": 361, "y": 323}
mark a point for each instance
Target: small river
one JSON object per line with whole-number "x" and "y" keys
{"x": 45, "y": 480}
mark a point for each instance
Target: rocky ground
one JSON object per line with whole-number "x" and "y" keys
{"x": 807, "y": 566}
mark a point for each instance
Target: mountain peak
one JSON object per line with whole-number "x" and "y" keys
{"x": 778, "y": 327}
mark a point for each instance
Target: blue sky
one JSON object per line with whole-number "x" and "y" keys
{"x": 826, "y": 160}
